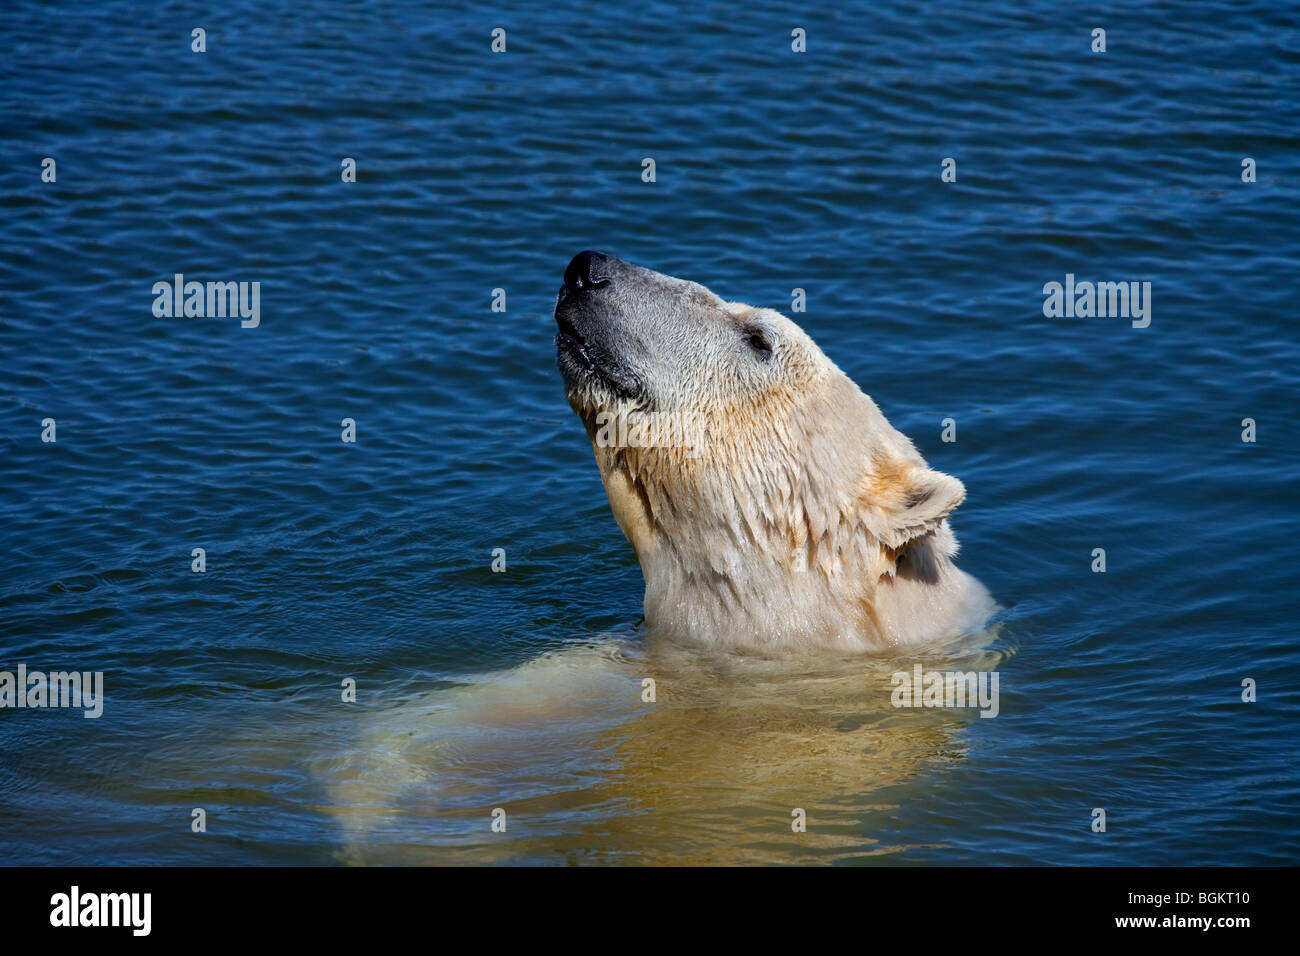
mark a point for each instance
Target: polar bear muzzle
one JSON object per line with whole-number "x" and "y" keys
{"x": 590, "y": 343}
{"x": 629, "y": 335}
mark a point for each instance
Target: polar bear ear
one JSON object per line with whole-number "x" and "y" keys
{"x": 915, "y": 503}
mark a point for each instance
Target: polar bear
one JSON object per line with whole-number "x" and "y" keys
{"x": 777, "y": 517}
{"x": 771, "y": 506}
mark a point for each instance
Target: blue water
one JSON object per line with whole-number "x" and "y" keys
{"x": 775, "y": 170}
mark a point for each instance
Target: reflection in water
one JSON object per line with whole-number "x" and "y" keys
{"x": 708, "y": 773}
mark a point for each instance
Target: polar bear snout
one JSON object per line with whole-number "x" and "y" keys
{"x": 576, "y": 315}
{"x": 578, "y": 319}
{"x": 597, "y": 356}
{"x": 629, "y": 334}
{"x": 587, "y": 270}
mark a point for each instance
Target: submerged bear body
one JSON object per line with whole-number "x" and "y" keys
{"x": 770, "y": 504}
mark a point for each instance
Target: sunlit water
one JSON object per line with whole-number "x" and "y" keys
{"x": 523, "y": 690}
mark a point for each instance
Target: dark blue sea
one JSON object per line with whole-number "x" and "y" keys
{"x": 224, "y": 736}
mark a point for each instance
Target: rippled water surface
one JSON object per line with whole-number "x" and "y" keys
{"x": 522, "y": 690}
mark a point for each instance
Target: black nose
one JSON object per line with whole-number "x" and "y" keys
{"x": 587, "y": 270}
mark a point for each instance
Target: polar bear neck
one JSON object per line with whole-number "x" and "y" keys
{"x": 775, "y": 537}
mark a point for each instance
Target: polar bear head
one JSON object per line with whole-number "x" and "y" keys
{"x": 769, "y": 502}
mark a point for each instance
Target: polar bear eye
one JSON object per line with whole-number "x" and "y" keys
{"x": 757, "y": 340}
